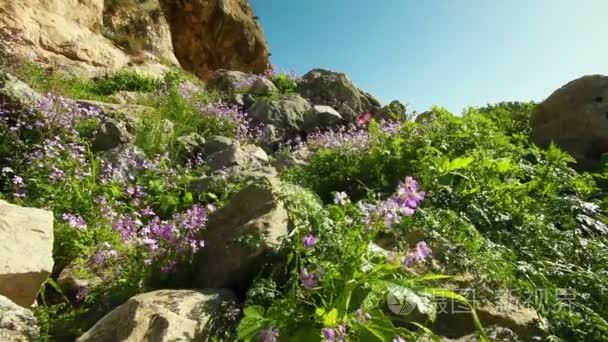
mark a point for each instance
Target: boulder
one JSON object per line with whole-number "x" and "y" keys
{"x": 235, "y": 155}
{"x": 288, "y": 159}
{"x": 16, "y": 93}
{"x": 392, "y": 111}
{"x": 122, "y": 162}
{"x": 575, "y": 117}
{"x": 73, "y": 278}
{"x": 125, "y": 97}
{"x": 17, "y": 324}
{"x": 228, "y": 81}
{"x": 326, "y": 87}
{"x": 321, "y": 116}
{"x": 190, "y": 145}
{"x": 110, "y": 134}
{"x": 262, "y": 86}
{"x": 216, "y": 34}
{"x": 24, "y": 232}
{"x": 240, "y": 234}
{"x": 287, "y": 113}
{"x": 161, "y": 316}
{"x": 217, "y": 143}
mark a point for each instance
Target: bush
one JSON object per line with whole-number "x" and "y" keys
{"x": 125, "y": 81}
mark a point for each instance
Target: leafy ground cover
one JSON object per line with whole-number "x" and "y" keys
{"x": 445, "y": 196}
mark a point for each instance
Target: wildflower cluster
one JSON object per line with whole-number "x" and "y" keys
{"x": 402, "y": 203}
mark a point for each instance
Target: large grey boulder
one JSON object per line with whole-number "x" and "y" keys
{"x": 228, "y": 81}
{"x": 321, "y": 116}
{"x": 262, "y": 86}
{"x": 16, "y": 93}
{"x": 287, "y": 113}
{"x": 326, "y": 87}
{"x": 26, "y": 248}
{"x": 17, "y": 324}
{"x": 575, "y": 117}
{"x": 161, "y": 316}
{"x": 190, "y": 145}
{"x": 239, "y": 235}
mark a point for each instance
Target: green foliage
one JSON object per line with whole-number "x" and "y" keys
{"x": 284, "y": 83}
{"x": 125, "y": 81}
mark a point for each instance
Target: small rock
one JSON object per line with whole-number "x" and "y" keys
{"x": 163, "y": 316}
{"x": 17, "y": 324}
{"x": 126, "y": 97}
{"x": 321, "y": 116}
{"x": 286, "y": 160}
{"x": 263, "y": 87}
{"x": 111, "y": 134}
{"x": 71, "y": 280}
{"x": 240, "y": 234}
{"x": 257, "y": 154}
{"x": 16, "y": 93}
{"x": 24, "y": 232}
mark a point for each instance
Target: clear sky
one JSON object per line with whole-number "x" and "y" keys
{"x": 454, "y": 53}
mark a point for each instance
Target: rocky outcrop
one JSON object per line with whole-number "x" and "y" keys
{"x": 163, "y": 316}
{"x": 17, "y": 324}
{"x": 24, "y": 232}
{"x": 110, "y": 134}
{"x": 321, "y": 116}
{"x": 216, "y": 34}
{"x": 575, "y": 117}
{"x": 240, "y": 234}
{"x": 67, "y": 35}
{"x": 326, "y": 87}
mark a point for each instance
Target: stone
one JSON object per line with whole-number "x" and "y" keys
{"x": 17, "y": 324}
{"x": 124, "y": 161}
{"x": 263, "y": 87}
{"x": 240, "y": 234}
{"x": 217, "y": 143}
{"x": 111, "y": 134}
{"x": 287, "y": 113}
{"x": 393, "y": 111}
{"x": 228, "y": 157}
{"x": 72, "y": 279}
{"x": 242, "y": 100}
{"x": 326, "y": 87}
{"x": 116, "y": 110}
{"x": 500, "y": 308}
{"x": 575, "y": 117}
{"x": 24, "y": 232}
{"x": 286, "y": 160}
{"x": 216, "y": 34}
{"x": 190, "y": 145}
{"x": 125, "y": 97}
{"x": 161, "y": 316}
{"x": 256, "y": 153}
{"x": 321, "y": 116}
{"x": 227, "y": 81}
{"x": 16, "y": 93}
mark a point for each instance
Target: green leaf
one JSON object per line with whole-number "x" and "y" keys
{"x": 331, "y": 318}
{"x": 378, "y": 330}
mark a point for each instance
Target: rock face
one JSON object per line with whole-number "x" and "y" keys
{"x": 326, "y": 87}
{"x": 24, "y": 232}
{"x": 66, "y": 34}
{"x": 16, "y": 323}
{"x": 287, "y": 113}
{"x": 575, "y": 117}
{"x": 321, "y": 116}
{"x": 16, "y": 93}
{"x": 216, "y": 34}
{"x": 160, "y": 316}
{"x": 239, "y": 234}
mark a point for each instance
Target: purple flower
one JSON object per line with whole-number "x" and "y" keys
{"x": 309, "y": 280}
{"x": 309, "y": 240}
{"x": 269, "y": 334}
{"x": 17, "y": 180}
{"x": 341, "y": 198}
{"x": 75, "y": 221}
{"x": 127, "y": 227}
{"x": 102, "y": 255}
{"x": 56, "y": 175}
{"x": 81, "y": 294}
{"x": 20, "y": 193}
{"x": 420, "y": 253}
{"x": 329, "y": 334}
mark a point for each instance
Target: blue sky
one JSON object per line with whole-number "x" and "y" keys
{"x": 454, "y": 53}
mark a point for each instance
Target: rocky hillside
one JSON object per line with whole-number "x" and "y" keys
{"x": 221, "y": 200}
